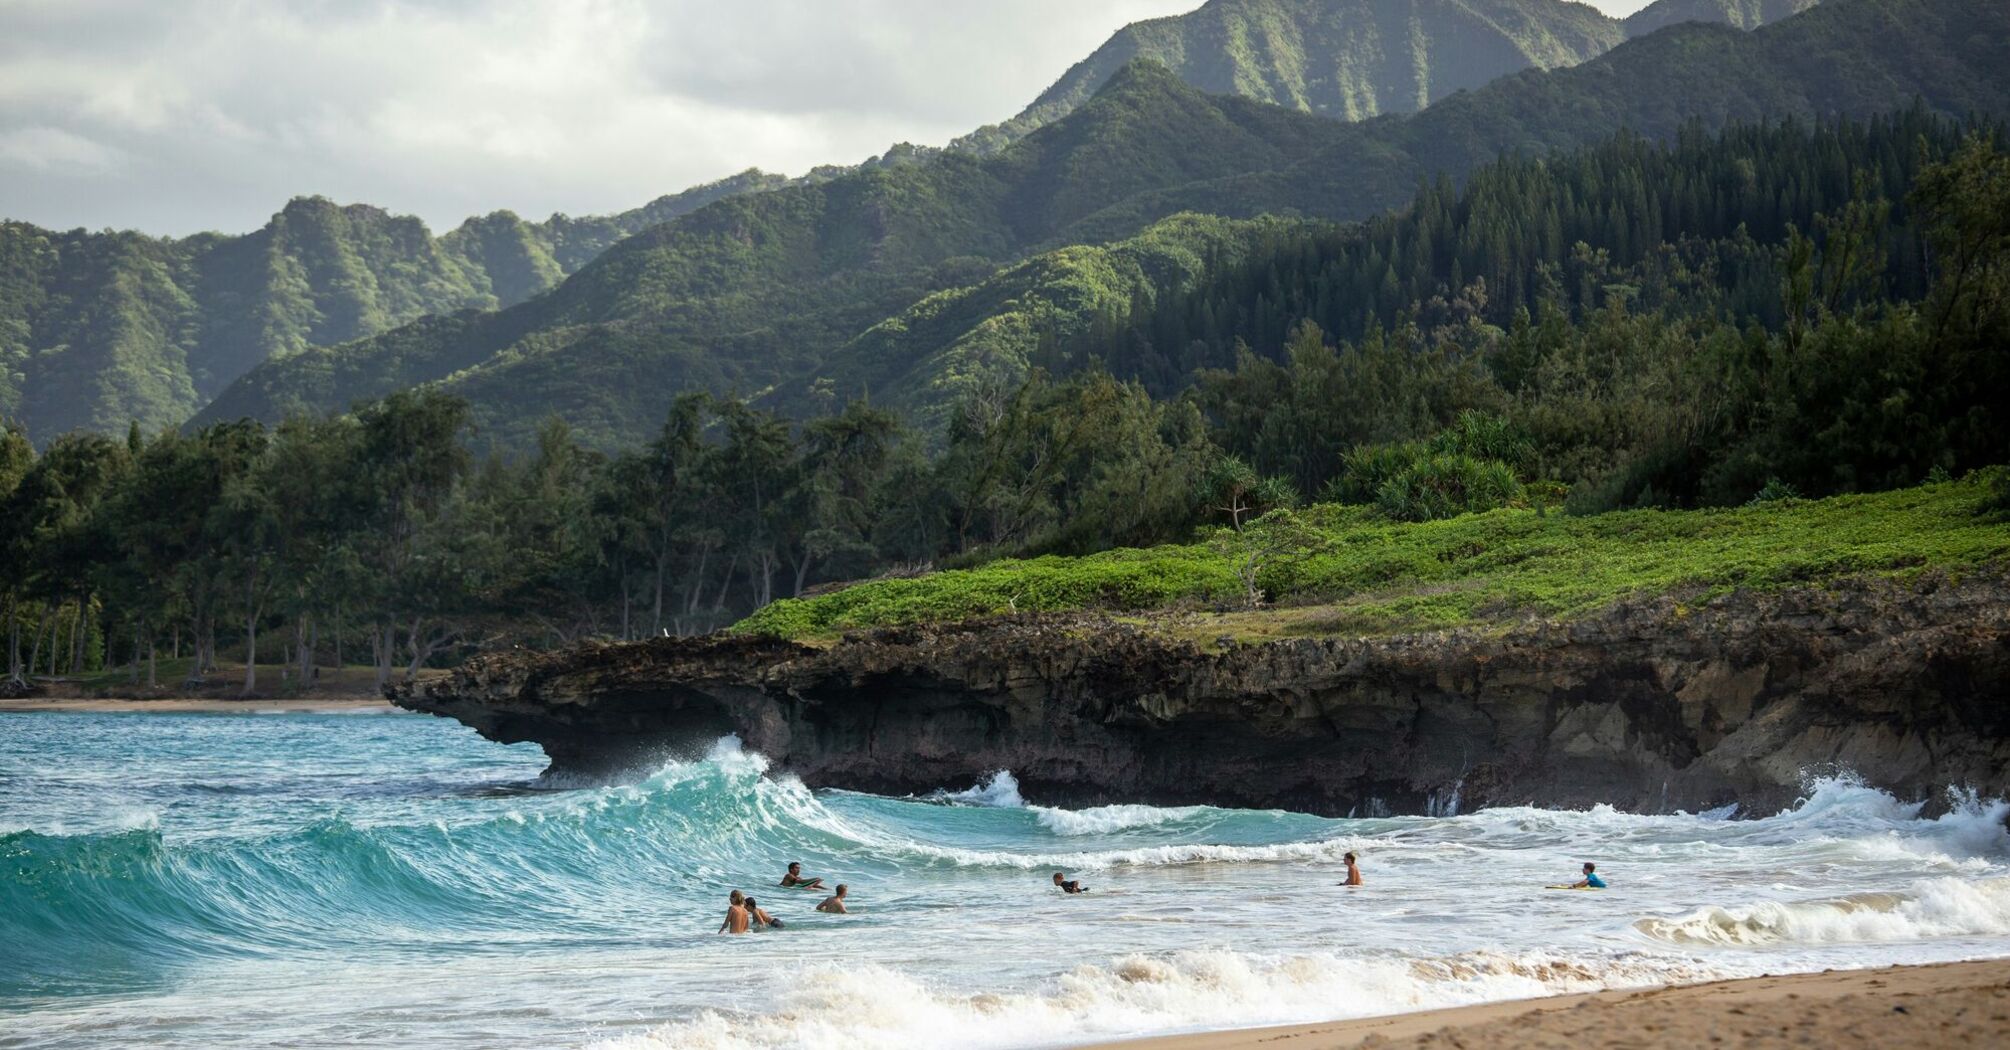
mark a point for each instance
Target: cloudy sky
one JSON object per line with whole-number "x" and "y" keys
{"x": 173, "y": 116}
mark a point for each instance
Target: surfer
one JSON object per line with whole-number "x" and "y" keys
{"x": 1069, "y": 885}
{"x": 1353, "y": 872}
{"x": 834, "y": 904}
{"x": 736, "y": 914}
{"x": 761, "y": 918}
{"x": 1590, "y": 881}
{"x": 794, "y": 878}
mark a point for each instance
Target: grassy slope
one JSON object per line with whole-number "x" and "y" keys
{"x": 1377, "y": 576}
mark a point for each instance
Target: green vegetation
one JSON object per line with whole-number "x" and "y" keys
{"x": 1372, "y": 575}
{"x": 1740, "y": 14}
{"x": 1717, "y": 371}
{"x": 100, "y": 330}
{"x": 1355, "y": 59}
{"x": 778, "y": 294}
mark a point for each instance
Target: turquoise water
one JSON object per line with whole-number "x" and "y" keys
{"x": 393, "y": 880}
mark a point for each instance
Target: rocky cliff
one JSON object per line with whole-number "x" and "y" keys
{"x": 1651, "y": 705}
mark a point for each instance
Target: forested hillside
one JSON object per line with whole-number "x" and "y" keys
{"x": 805, "y": 294}
{"x": 1347, "y": 59}
{"x": 1739, "y": 14}
{"x": 1773, "y": 313}
{"x": 102, "y": 329}
{"x": 757, "y": 289}
{"x": 1355, "y": 59}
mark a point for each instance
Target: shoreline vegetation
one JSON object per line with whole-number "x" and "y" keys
{"x": 1334, "y": 570}
{"x": 1893, "y": 1008}
{"x": 1556, "y": 353}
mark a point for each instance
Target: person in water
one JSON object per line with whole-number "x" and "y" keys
{"x": 737, "y": 919}
{"x": 757, "y": 917}
{"x": 1353, "y": 872}
{"x": 1069, "y": 885}
{"x": 794, "y": 878}
{"x": 834, "y": 904}
{"x": 1590, "y": 881}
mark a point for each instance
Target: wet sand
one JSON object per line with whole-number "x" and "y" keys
{"x": 198, "y": 705}
{"x": 1964, "y": 1005}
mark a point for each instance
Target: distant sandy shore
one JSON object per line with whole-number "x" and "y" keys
{"x": 197, "y": 706}
{"x": 1900, "y": 1008}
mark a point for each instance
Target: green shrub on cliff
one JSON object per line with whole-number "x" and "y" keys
{"x": 1374, "y": 575}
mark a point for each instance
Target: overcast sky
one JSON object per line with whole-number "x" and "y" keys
{"x": 173, "y": 116}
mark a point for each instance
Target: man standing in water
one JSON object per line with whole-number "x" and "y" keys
{"x": 834, "y": 904}
{"x": 1353, "y": 872}
{"x": 794, "y": 878}
{"x": 1590, "y": 881}
{"x": 736, "y": 914}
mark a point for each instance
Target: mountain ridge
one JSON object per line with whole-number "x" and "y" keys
{"x": 1358, "y": 59}
{"x": 614, "y": 345}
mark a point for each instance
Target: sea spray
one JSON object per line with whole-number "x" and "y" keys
{"x": 239, "y": 882}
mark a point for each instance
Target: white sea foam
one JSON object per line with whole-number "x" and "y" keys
{"x": 1106, "y": 820}
{"x": 1944, "y": 907}
{"x": 832, "y": 1008}
{"x": 1000, "y": 790}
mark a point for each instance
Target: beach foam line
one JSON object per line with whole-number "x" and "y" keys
{"x": 1942, "y": 907}
{"x": 856, "y": 1007}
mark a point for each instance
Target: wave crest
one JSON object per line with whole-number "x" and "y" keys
{"x": 1945, "y": 907}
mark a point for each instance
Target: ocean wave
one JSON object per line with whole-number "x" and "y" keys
{"x": 1942, "y": 907}
{"x": 1108, "y": 820}
{"x": 855, "y": 1007}
{"x": 1000, "y": 790}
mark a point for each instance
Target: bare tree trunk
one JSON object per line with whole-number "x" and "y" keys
{"x": 153, "y": 665}
{"x": 77, "y": 636}
{"x": 725, "y": 584}
{"x": 380, "y": 654}
{"x": 14, "y": 641}
{"x": 56, "y": 645}
{"x": 303, "y": 649}
{"x": 134, "y": 676}
{"x": 250, "y": 644}
{"x": 656, "y": 619}
{"x": 35, "y": 652}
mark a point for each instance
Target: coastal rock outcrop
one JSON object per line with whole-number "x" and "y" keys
{"x": 1651, "y": 705}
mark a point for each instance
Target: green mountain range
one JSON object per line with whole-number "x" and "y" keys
{"x": 916, "y": 284}
{"x": 99, "y": 329}
{"x": 1355, "y": 59}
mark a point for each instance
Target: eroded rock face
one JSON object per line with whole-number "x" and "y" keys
{"x": 1651, "y": 706}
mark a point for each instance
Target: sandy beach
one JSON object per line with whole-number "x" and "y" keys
{"x": 196, "y": 705}
{"x": 1947, "y": 1005}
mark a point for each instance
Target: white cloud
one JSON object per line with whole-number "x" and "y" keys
{"x": 56, "y": 152}
{"x": 198, "y": 114}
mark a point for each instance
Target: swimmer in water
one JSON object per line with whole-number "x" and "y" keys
{"x": 736, "y": 914}
{"x": 761, "y": 918}
{"x": 1590, "y": 881}
{"x": 794, "y": 879}
{"x": 834, "y": 904}
{"x": 1353, "y": 872}
{"x": 1069, "y": 885}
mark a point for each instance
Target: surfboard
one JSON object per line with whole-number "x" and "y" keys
{"x": 1573, "y": 887}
